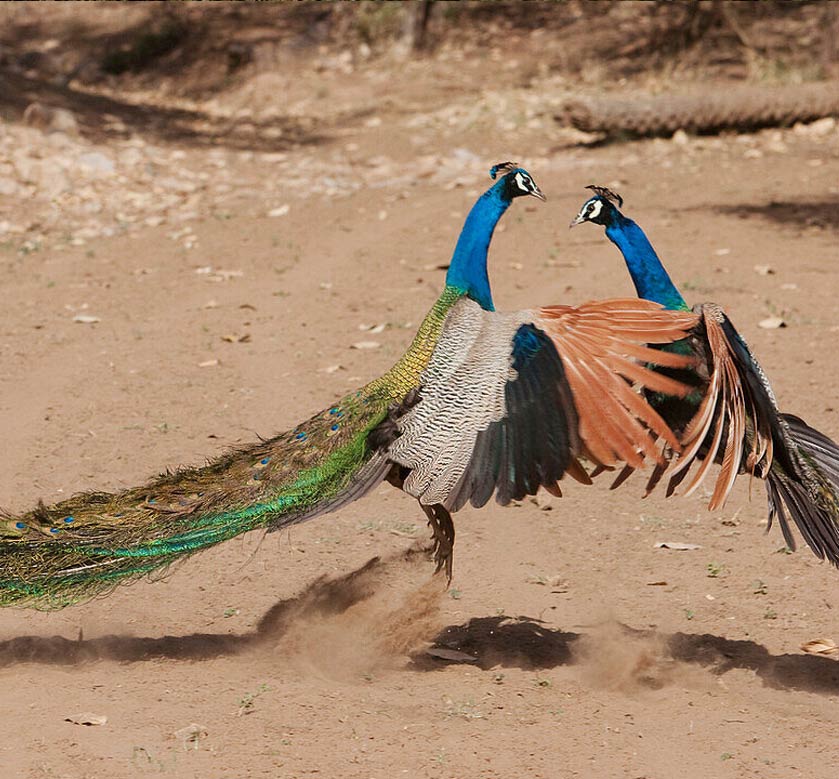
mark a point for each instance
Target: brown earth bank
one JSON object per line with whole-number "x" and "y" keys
{"x": 232, "y": 248}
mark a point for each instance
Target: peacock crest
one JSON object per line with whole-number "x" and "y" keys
{"x": 607, "y": 194}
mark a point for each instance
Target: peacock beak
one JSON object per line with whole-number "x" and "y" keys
{"x": 577, "y": 220}
{"x": 536, "y": 192}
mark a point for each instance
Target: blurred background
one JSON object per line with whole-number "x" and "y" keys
{"x": 371, "y": 85}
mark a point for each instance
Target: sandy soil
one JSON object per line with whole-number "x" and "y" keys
{"x": 593, "y": 654}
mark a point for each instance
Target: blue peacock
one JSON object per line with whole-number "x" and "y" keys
{"x": 735, "y": 419}
{"x": 482, "y": 403}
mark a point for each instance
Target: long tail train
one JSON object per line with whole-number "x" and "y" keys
{"x": 84, "y": 546}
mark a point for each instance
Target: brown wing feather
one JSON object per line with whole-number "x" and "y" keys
{"x": 638, "y": 406}
{"x": 618, "y": 431}
{"x": 724, "y": 410}
{"x": 733, "y": 452}
{"x": 708, "y": 461}
{"x": 660, "y": 358}
{"x": 600, "y": 344}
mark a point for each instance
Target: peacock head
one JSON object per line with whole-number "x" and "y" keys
{"x": 600, "y": 209}
{"x": 516, "y": 182}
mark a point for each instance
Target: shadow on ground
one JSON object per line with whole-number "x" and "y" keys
{"x": 102, "y": 116}
{"x": 529, "y": 644}
{"x": 324, "y": 596}
{"x": 818, "y": 212}
{"x": 491, "y": 642}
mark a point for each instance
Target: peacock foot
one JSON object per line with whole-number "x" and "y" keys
{"x": 442, "y": 532}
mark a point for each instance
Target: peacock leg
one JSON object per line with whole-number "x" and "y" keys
{"x": 442, "y": 528}
{"x": 439, "y": 519}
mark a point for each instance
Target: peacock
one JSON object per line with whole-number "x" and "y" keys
{"x": 734, "y": 419}
{"x": 482, "y": 403}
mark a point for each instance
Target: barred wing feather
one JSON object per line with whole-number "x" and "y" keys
{"x": 509, "y": 402}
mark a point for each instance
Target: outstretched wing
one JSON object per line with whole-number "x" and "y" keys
{"x": 510, "y": 401}
{"x": 603, "y": 345}
{"x": 534, "y": 444}
{"x": 738, "y": 424}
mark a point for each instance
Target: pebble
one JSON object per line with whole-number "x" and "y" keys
{"x": 50, "y": 119}
{"x": 771, "y": 323}
{"x": 97, "y": 162}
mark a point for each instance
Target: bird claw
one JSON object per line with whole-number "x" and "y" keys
{"x": 442, "y": 533}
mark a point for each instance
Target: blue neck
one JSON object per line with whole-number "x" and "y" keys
{"x": 651, "y": 281}
{"x": 468, "y": 268}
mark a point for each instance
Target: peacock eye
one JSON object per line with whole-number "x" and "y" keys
{"x": 590, "y": 208}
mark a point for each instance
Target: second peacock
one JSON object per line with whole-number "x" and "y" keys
{"x": 735, "y": 419}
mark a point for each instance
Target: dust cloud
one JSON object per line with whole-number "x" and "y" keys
{"x": 394, "y": 610}
{"x": 611, "y": 656}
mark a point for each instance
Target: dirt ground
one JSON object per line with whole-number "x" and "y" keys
{"x": 229, "y": 283}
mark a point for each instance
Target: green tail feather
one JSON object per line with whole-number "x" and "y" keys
{"x": 82, "y": 547}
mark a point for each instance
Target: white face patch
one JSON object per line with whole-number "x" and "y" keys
{"x": 592, "y": 209}
{"x": 520, "y": 179}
